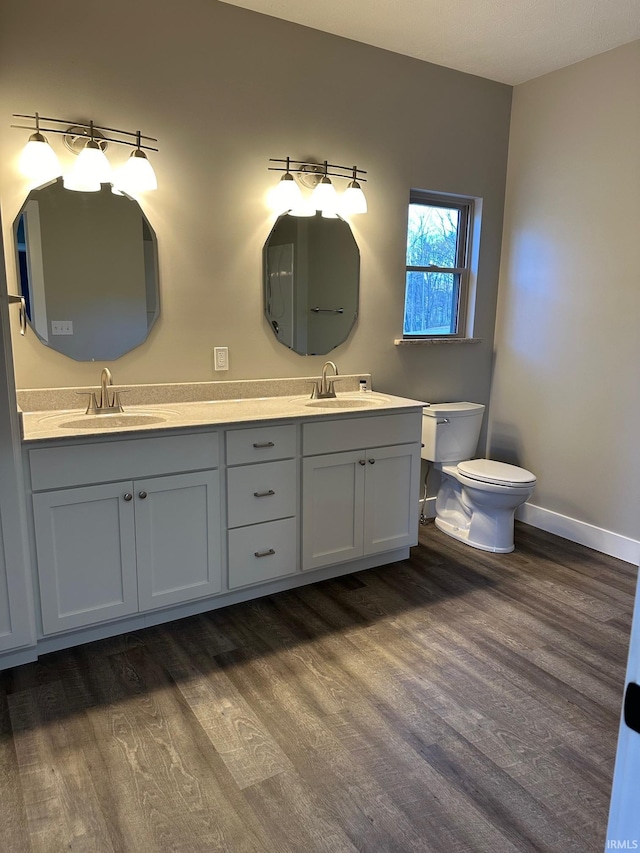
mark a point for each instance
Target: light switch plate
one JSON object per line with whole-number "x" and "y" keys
{"x": 61, "y": 327}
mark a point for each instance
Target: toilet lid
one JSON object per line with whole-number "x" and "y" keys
{"x": 488, "y": 471}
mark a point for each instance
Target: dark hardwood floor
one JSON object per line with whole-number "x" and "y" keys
{"x": 458, "y": 701}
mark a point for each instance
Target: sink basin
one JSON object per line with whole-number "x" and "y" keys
{"x": 359, "y": 401}
{"x": 116, "y": 420}
{"x": 112, "y": 421}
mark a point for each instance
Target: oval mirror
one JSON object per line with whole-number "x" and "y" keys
{"x": 88, "y": 270}
{"x": 311, "y": 282}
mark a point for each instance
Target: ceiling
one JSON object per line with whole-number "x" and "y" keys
{"x": 506, "y": 40}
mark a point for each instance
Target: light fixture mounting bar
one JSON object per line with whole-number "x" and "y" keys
{"x": 67, "y": 124}
{"x": 331, "y": 169}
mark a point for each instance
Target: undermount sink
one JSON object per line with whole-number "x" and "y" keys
{"x": 115, "y": 420}
{"x": 112, "y": 421}
{"x": 359, "y": 401}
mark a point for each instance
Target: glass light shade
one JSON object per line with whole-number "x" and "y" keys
{"x": 324, "y": 197}
{"x": 285, "y": 195}
{"x": 137, "y": 175}
{"x": 305, "y": 208}
{"x": 353, "y": 200}
{"x": 90, "y": 170}
{"x": 38, "y": 160}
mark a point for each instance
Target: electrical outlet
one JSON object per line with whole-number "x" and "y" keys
{"x": 221, "y": 358}
{"x": 61, "y": 327}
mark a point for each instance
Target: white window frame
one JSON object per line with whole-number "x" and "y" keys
{"x": 462, "y": 270}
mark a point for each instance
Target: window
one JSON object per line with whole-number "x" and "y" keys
{"x": 437, "y": 277}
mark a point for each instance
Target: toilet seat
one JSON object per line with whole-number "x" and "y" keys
{"x": 496, "y": 473}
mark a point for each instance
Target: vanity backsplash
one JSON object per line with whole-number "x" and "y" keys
{"x": 59, "y": 399}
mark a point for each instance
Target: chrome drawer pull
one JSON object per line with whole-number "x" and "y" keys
{"x": 264, "y": 494}
{"x": 259, "y": 444}
{"x": 268, "y": 553}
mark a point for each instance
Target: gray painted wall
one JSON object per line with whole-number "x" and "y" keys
{"x": 566, "y": 397}
{"x": 224, "y": 89}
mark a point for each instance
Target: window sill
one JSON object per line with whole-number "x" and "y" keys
{"x": 421, "y": 342}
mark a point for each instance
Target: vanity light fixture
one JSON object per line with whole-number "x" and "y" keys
{"x": 324, "y": 197}
{"x": 137, "y": 174}
{"x": 92, "y": 169}
{"x": 353, "y": 200}
{"x": 38, "y": 160}
{"x": 286, "y": 194}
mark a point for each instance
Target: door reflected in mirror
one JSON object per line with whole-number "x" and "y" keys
{"x": 311, "y": 282}
{"x": 88, "y": 270}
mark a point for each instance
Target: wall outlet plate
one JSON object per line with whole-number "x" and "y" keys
{"x": 221, "y": 358}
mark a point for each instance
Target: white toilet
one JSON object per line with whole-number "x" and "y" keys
{"x": 477, "y": 497}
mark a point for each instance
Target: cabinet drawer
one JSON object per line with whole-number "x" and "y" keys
{"x": 261, "y": 444}
{"x": 111, "y": 460}
{"x": 262, "y": 552}
{"x": 257, "y": 493}
{"x": 355, "y": 433}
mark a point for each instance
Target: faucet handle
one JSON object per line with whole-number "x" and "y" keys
{"x": 116, "y": 405}
{"x": 92, "y": 406}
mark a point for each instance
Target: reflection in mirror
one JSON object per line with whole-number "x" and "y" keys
{"x": 311, "y": 282}
{"x": 88, "y": 270}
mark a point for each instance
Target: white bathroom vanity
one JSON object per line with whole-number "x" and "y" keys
{"x": 181, "y": 505}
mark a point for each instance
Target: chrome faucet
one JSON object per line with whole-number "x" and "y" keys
{"x": 324, "y": 386}
{"x": 106, "y": 403}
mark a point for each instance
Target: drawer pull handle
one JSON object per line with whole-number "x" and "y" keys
{"x": 142, "y": 495}
{"x": 128, "y": 497}
{"x": 266, "y": 494}
{"x": 259, "y": 444}
{"x": 362, "y": 461}
{"x": 267, "y": 553}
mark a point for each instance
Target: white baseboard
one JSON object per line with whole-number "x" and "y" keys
{"x": 604, "y": 541}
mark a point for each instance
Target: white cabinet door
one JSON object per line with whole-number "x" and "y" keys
{"x": 391, "y": 498}
{"x": 16, "y": 609}
{"x": 332, "y": 508}
{"x": 359, "y": 503}
{"x": 85, "y": 542}
{"x": 178, "y": 538}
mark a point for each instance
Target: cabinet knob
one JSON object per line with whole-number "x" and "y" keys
{"x": 128, "y": 497}
{"x": 372, "y": 462}
{"x": 142, "y": 495}
{"x": 362, "y": 461}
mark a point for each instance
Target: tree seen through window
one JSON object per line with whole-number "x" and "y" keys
{"x": 435, "y": 260}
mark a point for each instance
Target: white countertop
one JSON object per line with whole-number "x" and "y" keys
{"x": 70, "y": 423}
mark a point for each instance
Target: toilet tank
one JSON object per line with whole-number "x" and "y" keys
{"x": 450, "y": 431}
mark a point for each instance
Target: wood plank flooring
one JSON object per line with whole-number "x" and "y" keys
{"x": 457, "y": 701}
